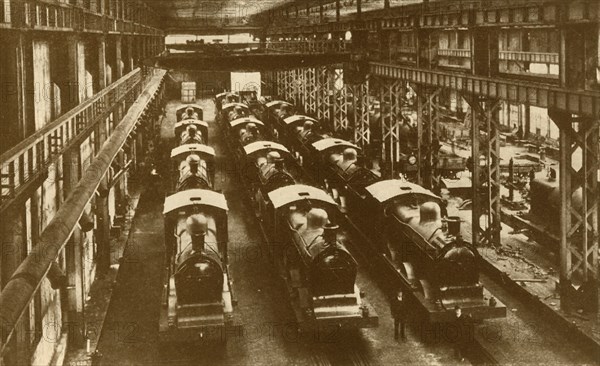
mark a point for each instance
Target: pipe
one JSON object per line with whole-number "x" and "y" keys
{"x": 20, "y": 288}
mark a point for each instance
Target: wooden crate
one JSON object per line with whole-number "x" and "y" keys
{"x": 188, "y": 91}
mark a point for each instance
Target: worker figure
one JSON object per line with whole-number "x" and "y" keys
{"x": 464, "y": 325}
{"x": 552, "y": 174}
{"x": 399, "y": 315}
{"x": 520, "y": 133}
{"x": 154, "y": 182}
{"x": 531, "y": 175}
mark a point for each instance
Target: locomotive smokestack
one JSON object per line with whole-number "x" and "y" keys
{"x": 330, "y": 234}
{"x": 453, "y": 226}
{"x": 193, "y": 162}
{"x": 191, "y": 130}
{"x": 196, "y": 227}
{"x": 198, "y": 242}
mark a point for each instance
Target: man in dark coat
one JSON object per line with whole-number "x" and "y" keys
{"x": 464, "y": 326}
{"x": 399, "y": 315}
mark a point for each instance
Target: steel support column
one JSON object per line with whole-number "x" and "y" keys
{"x": 290, "y": 86}
{"x": 301, "y": 88}
{"x": 362, "y": 131}
{"x": 486, "y": 172}
{"x": 311, "y": 91}
{"x": 428, "y": 137}
{"x": 324, "y": 113}
{"x": 579, "y": 138}
{"x": 391, "y": 112}
{"x": 280, "y": 84}
{"x": 340, "y": 104}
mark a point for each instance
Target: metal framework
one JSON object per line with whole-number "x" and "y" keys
{"x": 324, "y": 113}
{"x": 279, "y": 83}
{"x": 340, "y": 101}
{"x": 362, "y": 131}
{"x": 486, "y": 170}
{"x": 268, "y": 83}
{"x": 389, "y": 93}
{"x": 579, "y": 138}
{"x": 311, "y": 90}
{"x": 428, "y": 136}
{"x": 291, "y": 86}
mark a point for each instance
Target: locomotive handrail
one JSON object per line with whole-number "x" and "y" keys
{"x": 25, "y": 281}
{"x": 298, "y": 192}
{"x": 195, "y": 197}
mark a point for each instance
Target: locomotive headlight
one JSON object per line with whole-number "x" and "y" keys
{"x": 412, "y": 160}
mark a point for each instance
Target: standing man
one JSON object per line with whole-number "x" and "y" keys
{"x": 399, "y": 315}
{"x": 464, "y": 326}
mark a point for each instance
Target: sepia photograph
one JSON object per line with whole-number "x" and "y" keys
{"x": 299, "y": 182}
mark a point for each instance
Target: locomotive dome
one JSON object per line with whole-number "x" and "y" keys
{"x": 316, "y": 218}
{"x": 197, "y": 224}
{"x": 430, "y": 212}
{"x": 273, "y": 157}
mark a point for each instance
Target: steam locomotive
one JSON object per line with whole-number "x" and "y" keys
{"x": 402, "y": 221}
{"x": 542, "y": 221}
{"x": 225, "y": 98}
{"x": 299, "y": 222}
{"x": 197, "y": 301}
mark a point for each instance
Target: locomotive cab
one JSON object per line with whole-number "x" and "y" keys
{"x": 246, "y": 130}
{"x": 192, "y": 131}
{"x": 225, "y": 98}
{"x": 189, "y": 111}
{"x": 233, "y": 111}
{"x": 202, "y": 175}
{"x": 280, "y": 109}
{"x": 267, "y": 165}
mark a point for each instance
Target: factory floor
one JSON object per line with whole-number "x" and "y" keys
{"x": 269, "y": 330}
